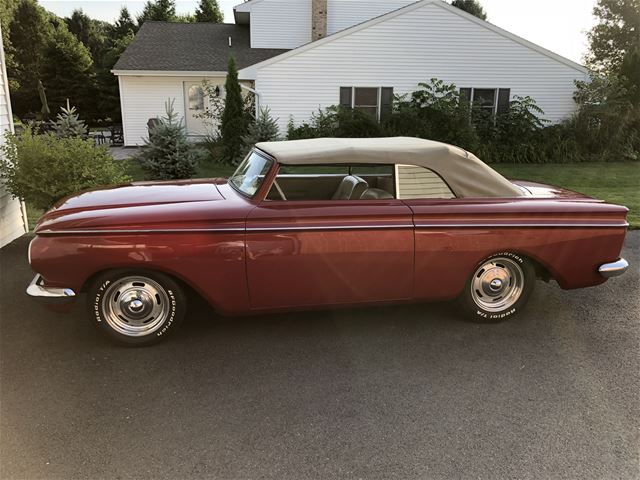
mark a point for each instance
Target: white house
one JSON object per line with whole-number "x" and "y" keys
{"x": 13, "y": 217}
{"x": 318, "y": 53}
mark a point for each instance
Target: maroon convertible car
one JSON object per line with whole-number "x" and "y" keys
{"x": 322, "y": 223}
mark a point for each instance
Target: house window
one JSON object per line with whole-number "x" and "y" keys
{"x": 492, "y": 100}
{"x": 196, "y": 98}
{"x": 375, "y": 101}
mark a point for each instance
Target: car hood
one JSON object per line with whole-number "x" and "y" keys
{"x": 148, "y": 205}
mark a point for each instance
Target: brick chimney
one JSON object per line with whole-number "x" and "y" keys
{"x": 318, "y": 19}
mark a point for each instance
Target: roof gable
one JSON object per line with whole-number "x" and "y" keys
{"x": 250, "y": 71}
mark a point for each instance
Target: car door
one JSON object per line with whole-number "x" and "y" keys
{"x": 443, "y": 254}
{"x": 329, "y": 252}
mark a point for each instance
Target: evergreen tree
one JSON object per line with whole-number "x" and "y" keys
{"x": 92, "y": 33}
{"x": 470, "y": 6}
{"x": 68, "y": 124}
{"x": 233, "y": 125}
{"x": 167, "y": 154}
{"x": 159, "y": 11}
{"x": 263, "y": 129}
{"x": 29, "y": 33}
{"x": 123, "y": 25}
{"x": 209, "y": 11}
{"x": 617, "y": 32}
{"x": 80, "y": 25}
{"x": 68, "y": 72}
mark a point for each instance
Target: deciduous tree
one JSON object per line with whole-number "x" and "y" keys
{"x": 617, "y": 32}
{"x": 29, "y": 33}
{"x": 68, "y": 72}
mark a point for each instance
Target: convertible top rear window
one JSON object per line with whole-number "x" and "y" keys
{"x": 250, "y": 174}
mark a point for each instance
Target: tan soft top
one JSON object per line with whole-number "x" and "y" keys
{"x": 465, "y": 174}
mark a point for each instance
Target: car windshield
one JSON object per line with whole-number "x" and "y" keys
{"x": 250, "y": 174}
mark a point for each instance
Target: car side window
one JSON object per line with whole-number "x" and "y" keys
{"x": 333, "y": 182}
{"x": 415, "y": 182}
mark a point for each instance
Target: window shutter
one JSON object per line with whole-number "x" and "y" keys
{"x": 465, "y": 95}
{"x": 386, "y": 102}
{"x": 345, "y": 96}
{"x": 504, "y": 95}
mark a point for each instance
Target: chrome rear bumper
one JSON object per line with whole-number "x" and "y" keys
{"x": 614, "y": 269}
{"x": 49, "y": 294}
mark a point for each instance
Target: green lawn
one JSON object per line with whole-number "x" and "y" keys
{"x": 614, "y": 182}
{"x": 206, "y": 169}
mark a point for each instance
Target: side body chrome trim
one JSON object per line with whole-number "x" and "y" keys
{"x": 523, "y": 225}
{"x": 336, "y": 227}
{"x": 125, "y": 231}
{"x": 614, "y": 269}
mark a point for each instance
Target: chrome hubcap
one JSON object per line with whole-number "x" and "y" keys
{"x": 497, "y": 284}
{"x": 136, "y": 306}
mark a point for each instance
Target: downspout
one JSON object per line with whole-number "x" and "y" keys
{"x": 256, "y": 93}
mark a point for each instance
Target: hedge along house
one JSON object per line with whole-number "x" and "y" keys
{"x": 319, "y": 53}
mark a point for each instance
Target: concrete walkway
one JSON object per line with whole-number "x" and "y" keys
{"x": 123, "y": 153}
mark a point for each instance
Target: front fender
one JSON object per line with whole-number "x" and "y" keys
{"x": 212, "y": 263}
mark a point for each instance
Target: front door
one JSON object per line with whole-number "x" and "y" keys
{"x": 305, "y": 253}
{"x": 195, "y": 101}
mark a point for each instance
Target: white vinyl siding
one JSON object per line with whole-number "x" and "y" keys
{"x": 280, "y": 23}
{"x": 343, "y": 14}
{"x": 12, "y": 216}
{"x": 144, "y": 97}
{"x": 410, "y": 46}
{"x": 419, "y": 182}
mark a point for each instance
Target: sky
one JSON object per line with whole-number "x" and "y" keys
{"x": 557, "y": 25}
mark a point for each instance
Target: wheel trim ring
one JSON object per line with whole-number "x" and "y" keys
{"x": 127, "y": 321}
{"x": 511, "y": 278}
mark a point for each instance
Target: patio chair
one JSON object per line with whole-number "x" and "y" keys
{"x": 117, "y": 136}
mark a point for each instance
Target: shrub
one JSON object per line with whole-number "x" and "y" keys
{"x": 41, "y": 169}
{"x": 336, "y": 121}
{"x": 263, "y": 129}
{"x": 168, "y": 155}
{"x": 68, "y": 124}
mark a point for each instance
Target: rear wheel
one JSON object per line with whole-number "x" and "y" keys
{"x": 136, "y": 308}
{"x": 498, "y": 289}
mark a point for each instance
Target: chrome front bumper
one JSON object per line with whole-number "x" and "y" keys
{"x": 49, "y": 294}
{"x": 615, "y": 269}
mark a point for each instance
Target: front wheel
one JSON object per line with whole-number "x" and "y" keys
{"x": 136, "y": 308}
{"x": 498, "y": 289}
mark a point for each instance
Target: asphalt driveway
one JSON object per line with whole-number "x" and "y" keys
{"x": 398, "y": 392}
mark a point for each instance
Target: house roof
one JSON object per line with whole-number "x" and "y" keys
{"x": 464, "y": 172}
{"x": 250, "y": 72}
{"x": 191, "y": 47}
